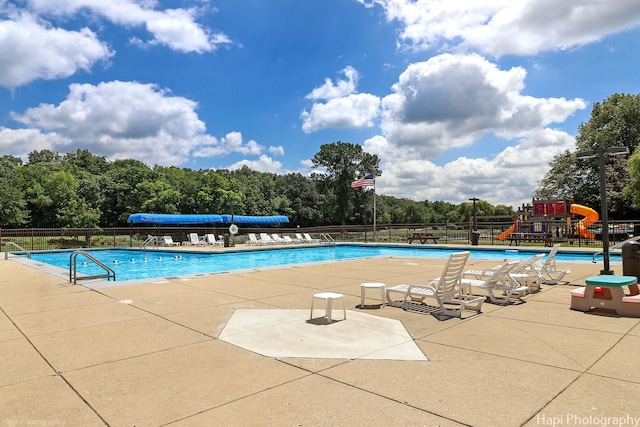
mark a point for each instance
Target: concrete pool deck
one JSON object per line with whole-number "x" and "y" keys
{"x": 150, "y": 354}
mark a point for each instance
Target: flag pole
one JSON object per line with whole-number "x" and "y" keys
{"x": 374, "y": 208}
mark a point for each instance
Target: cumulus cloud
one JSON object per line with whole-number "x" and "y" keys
{"x": 263, "y": 164}
{"x": 355, "y": 111}
{"x": 277, "y": 151}
{"x": 232, "y": 142}
{"x": 329, "y": 90}
{"x": 175, "y": 28}
{"x": 20, "y": 142}
{"x": 31, "y": 49}
{"x": 344, "y": 108}
{"x": 508, "y": 177}
{"x": 127, "y": 120}
{"x": 502, "y": 27}
{"x": 451, "y": 100}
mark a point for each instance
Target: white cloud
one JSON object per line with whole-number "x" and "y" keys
{"x": 329, "y": 90}
{"x": 509, "y": 177}
{"x": 126, "y": 120}
{"x": 32, "y": 50}
{"x": 20, "y": 142}
{"x": 502, "y": 27}
{"x": 451, "y": 100}
{"x": 355, "y": 110}
{"x": 230, "y": 143}
{"x": 276, "y": 151}
{"x": 175, "y": 28}
{"x": 263, "y": 164}
{"x": 344, "y": 107}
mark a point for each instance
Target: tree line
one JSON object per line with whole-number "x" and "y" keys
{"x": 81, "y": 189}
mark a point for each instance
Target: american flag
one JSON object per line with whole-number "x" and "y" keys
{"x": 367, "y": 181}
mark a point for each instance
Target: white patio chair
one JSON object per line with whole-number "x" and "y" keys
{"x": 446, "y": 290}
{"x": 548, "y": 269}
{"x": 499, "y": 286}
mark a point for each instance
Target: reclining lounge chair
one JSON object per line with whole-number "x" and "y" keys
{"x": 499, "y": 286}
{"x": 446, "y": 290}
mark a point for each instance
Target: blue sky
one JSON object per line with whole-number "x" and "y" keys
{"x": 459, "y": 99}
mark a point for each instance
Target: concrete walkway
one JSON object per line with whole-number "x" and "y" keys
{"x": 151, "y": 355}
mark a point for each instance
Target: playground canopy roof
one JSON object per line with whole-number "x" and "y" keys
{"x": 179, "y": 219}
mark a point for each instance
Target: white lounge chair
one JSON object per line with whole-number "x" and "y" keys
{"x": 523, "y": 273}
{"x": 446, "y": 290}
{"x": 210, "y": 239}
{"x": 253, "y": 240}
{"x": 309, "y": 239}
{"x": 498, "y": 282}
{"x": 266, "y": 239}
{"x": 168, "y": 241}
{"x": 548, "y": 270}
{"x": 300, "y": 239}
{"x": 194, "y": 240}
{"x": 276, "y": 238}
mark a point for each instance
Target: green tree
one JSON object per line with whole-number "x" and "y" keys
{"x": 344, "y": 163}
{"x": 13, "y": 209}
{"x": 615, "y": 122}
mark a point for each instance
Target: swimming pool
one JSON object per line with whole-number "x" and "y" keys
{"x": 134, "y": 264}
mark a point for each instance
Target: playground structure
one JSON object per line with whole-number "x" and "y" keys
{"x": 533, "y": 219}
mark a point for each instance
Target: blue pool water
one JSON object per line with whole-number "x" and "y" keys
{"x": 132, "y": 264}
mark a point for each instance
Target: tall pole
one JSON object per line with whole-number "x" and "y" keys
{"x": 374, "y": 208}
{"x": 604, "y": 211}
{"x": 475, "y": 215}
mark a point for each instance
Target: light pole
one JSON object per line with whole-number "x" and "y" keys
{"x": 599, "y": 153}
{"x": 475, "y": 217}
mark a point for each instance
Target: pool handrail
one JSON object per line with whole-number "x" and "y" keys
{"x": 327, "y": 239}
{"x": 73, "y": 263}
{"x": 616, "y": 246}
{"x": 6, "y": 249}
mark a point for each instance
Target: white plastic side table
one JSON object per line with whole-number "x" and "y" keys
{"x": 328, "y": 297}
{"x": 372, "y": 285}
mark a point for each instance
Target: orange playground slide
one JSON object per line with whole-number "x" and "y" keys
{"x": 590, "y": 217}
{"x": 505, "y": 234}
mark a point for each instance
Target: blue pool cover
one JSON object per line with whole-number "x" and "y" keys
{"x": 150, "y": 218}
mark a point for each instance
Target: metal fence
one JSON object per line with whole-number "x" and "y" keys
{"x": 33, "y": 239}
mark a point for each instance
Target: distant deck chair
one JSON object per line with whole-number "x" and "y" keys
{"x": 266, "y": 239}
{"x": 210, "y": 239}
{"x": 309, "y": 239}
{"x": 548, "y": 269}
{"x": 168, "y": 241}
{"x": 194, "y": 240}
{"x": 299, "y": 238}
{"x": 498, "y": 286}
{"x": 446, "y": 290}
{"x": 276, "y": 238}
{"x": 253, "y": 240}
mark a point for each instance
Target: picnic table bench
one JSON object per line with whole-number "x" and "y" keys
{"x": 422, "y": 237}
{"x": 530, "y": 237}
{"x": 608, "y": 292}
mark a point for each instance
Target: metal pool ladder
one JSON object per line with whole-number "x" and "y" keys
{"x": 327, "y": 240}
{"x": 8, "y": 244}
{"x": 73, "y": 263}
